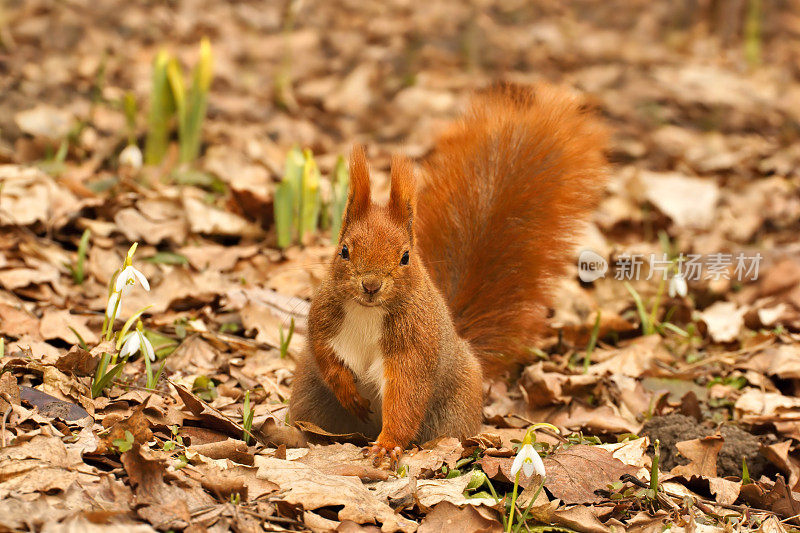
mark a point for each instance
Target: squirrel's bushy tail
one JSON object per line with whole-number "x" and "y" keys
{"x": 505, "y": 191}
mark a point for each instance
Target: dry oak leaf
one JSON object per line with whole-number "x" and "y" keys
{"x": 161, "y": 503}
{"x": 16, "y": 322}
{"x": 703, "y": 456}
{"x": 60, "y": 323}
{"x": 757, "y": 407}
{"x": 209, "y": 220}
{"x": 574, "y": 474}
{"x": 636, "y": 358}
{"x": 431, "y": 492}
{"x": 468, "y": 519}
{"x": 688, "y": 201}
{"x": 312, "y": 489}
{"x": 30, "y": 195}
{"x": 343, "y": 460}
{"x": 724, "y": 320}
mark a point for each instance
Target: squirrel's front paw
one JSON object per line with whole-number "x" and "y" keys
{"x": 358, "y": 405}
{"x": 380, "y": 453}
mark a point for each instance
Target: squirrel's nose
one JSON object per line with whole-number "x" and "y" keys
{"x": 371, "y": 285}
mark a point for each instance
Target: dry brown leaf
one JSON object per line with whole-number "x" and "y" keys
{"x": 30, "y": 196}
{"x": 689, "y": 202}
{"x": 343, "y": 460}
{"x": 575, "y": 473}
{"x": 15, "y": 322}
{"x": 702, "y": 454}
{"x": 60, "y": 323}
{"x": 636, "y": 358}
{"x": 307, "y": 486}
{"x": 137, "y": 227}
{"x": 448, "y": 517}
{"x": 724, "y": 320}
{"x": 209, "y": 220}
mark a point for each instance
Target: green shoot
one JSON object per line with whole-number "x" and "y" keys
{"x": 103, "y": 379}
{"x": 309, "y": 199}
{"x": 654, "y": 469}
{"x": 524, "y": 517}
{"x": 752, "y": 33}
{"x": 2, "y": 346}
{"x": 130, "y": 110}
{"x": 247, "y": 418}
{"x": 78, "y": 274}
{"x": 81, "y": 342}
{"x": 287, "y": 339}
{"x": 592, "y": 343}
{"x": 745, "y": 472}
{"x": 162, "y": 106}
{"x": 191, "y": 104}
{"x": 287, "y": 198}
{"x": 644, "y": 317}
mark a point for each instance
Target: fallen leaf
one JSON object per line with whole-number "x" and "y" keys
{"x": 307, "y": 486}
{"x": 702, "y": 454}
{"x": 446, "y": 516}
{"x": 60, "y": 323}
{"x": 724, "y": 320}
{"x": 574, "y": 474}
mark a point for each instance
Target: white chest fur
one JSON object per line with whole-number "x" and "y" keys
{"x": 358, "y": 344}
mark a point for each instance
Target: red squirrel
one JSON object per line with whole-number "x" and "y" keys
{"x": 443, "y": 287}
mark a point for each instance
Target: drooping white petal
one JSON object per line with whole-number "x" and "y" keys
{"x": 538, "y": 465}
{"x": 147, "y": 348}
{"x": 131, "y": 345}
{"x": 142, "y": 279}
{"x": 528, "y": 461}
{"x": 112, "y": 308}
{"x": 677, "y": 285}
{"x": 517, "y": 464}
{"x": 131, "y": 156}
{"x": 123, "y": 278}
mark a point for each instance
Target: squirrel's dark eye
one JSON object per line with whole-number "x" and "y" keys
{"x": 345, "y": 253}
{"x": 404, "y": 259}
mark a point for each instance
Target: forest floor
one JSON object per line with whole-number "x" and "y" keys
{"x": 705, "y": 120}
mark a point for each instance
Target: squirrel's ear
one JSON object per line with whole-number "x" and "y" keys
{"x": 358, "y": 197}
{"x": 403, "y": 198}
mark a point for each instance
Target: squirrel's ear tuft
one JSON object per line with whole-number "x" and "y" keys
{"x": 403, "y": 199}
{"x": 358, "y": 197}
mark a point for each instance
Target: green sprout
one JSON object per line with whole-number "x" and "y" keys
{"x": 162, "y": 107}
{"x": 247, "y": 418}
{"x": 78, "y": 274}
{"x": 191, "y": 104}
{"x": 285, "y": 340}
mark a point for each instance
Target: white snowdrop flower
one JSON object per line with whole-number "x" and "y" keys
{"x": 136, "y": 341}
{"x": 128, "y": 277}
{"x": 131, "y": 156}
{"x": 529, "y": 461}
{"x": 677, "y": 285}
{"x": 112, "y": 309}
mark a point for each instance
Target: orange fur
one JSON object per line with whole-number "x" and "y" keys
{"x": 508, "y": 186}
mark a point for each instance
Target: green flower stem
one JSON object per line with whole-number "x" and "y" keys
{"x": 513, "y": 504}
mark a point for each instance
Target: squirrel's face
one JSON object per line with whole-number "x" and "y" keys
{"x": 375, "y": 264}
